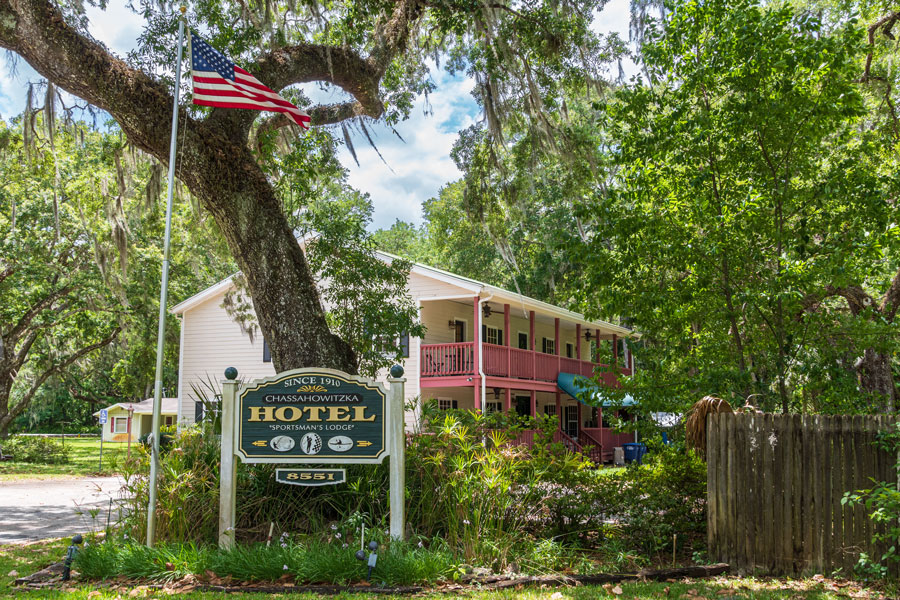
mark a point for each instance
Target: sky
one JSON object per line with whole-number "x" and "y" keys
{"x": 413, "y": 169}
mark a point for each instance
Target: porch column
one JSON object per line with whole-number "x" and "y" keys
{"x": 533, "y": 403}
{"x": 506, "y": 342}
{"x": 556, "y": 343}
{"x": 533, "y": 358}
{"x": 559, "y": 415}
{"x": 476, "y": 352}
{"x": 507, "y": 401}
{"x": 578, "y": 341}
{"x": 580, "y": 422}
{"x": 615, "y": 342}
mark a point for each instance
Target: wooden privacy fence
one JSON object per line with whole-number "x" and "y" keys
{"x": 775, "y": 484}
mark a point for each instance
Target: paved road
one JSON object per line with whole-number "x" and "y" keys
{"x": 34, "y": 510}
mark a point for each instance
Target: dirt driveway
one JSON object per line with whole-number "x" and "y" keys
{"x": 34, "y": 510}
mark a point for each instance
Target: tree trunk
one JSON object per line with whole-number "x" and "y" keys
{"x": 876, "y": 378}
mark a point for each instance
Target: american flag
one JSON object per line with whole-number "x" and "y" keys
{"x": 219, "y": 82}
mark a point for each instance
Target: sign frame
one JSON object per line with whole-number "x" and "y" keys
{"x": 395, "y": 442}
{"x": 369, "y": 385}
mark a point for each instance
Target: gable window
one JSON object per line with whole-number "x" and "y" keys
{"x": 404, "y": 344}
{"x": 570, "y": 350}
{"x": 523, "y": 340}
{"x": 267, "y": 354}
{"x": 492, "y": 335}
{"x": 120, "y": 424}
{"x": 548, "y": 346}
{"x": 447, "y": 404}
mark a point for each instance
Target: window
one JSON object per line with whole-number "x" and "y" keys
{"x": 492, "y": 335}
{"x": 404, "y": 344}
{"x": 548, "y": 346}
{"x": 447, "y": 404}
{"x": 267, "y": 354}
{"x": 570, "y": 350}
{"x": 459, "y": 335}
{"x": 550, "y": 410}
{"x": 523, "y": 340}
{"x": 120, "y": 424}
{"x": 492, "y": 407}
{"x": 169, "y": 421}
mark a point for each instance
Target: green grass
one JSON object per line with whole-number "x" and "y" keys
{"x": 84, "y": 455}
{"x": 31, "y": 557}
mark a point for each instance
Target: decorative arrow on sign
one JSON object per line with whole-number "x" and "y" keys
{"x": 363, "y": 443}
{"x": 259, "y": 443}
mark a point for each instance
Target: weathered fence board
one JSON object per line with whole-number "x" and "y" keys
{"x": 775, "y": 484}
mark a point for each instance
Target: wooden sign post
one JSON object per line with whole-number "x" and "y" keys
{"x": 311, "y": 416}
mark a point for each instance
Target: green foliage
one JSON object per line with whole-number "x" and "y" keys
{"x": 662, "y": 498}
{"x": 80, "y": 259}
{"x": 36, "y": 449}
{"x": 882, "y": 502}
{"x": 369, "y": 305}
{"x": 312, "y": 561}
{"x": 751, "y": 227}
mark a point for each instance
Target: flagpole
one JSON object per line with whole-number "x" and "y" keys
{"x": 163, "y": 297}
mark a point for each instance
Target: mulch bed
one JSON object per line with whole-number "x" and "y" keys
{"x": 51, "y": 578}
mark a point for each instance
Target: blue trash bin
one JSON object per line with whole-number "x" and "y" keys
{"x": 632, "y": 452}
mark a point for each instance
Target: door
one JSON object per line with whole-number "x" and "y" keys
{"x": 571, "y": 421}
{"x": 523, "y": 406}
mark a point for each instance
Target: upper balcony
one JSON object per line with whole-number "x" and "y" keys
{"x": 459, "y": 359}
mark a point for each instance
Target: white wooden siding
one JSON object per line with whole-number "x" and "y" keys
{"x": 212, "y": 342}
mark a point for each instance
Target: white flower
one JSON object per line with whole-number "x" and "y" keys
{"x": 345, "y": 546}
{"x": 283, "y": 545}
{"x": 421, "y": 544}
{"x": 466, "y": 522}
{"x": 338, "y": 535}
{"x": 284, "y": 568}
{"x": 333, "y": 526}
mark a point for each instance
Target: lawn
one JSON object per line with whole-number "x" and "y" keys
{"x": 84, "y": 460}
{"x": 31, "y": 557}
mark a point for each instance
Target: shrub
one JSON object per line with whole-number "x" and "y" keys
{"x": 313, "y": 562}
{"x": 36, "y": 449}
{"x": 664, "y": 497}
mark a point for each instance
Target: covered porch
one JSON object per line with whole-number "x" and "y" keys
{"x": 581, "y": 428}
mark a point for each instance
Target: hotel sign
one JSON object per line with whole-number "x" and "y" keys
{"x": 312, "y": 417}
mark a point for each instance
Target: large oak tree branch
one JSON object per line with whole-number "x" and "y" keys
{"x": 25, "y": 400}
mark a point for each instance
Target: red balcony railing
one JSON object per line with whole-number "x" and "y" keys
{"x": 445, "y": 360}
{"x": 441, "y": 360}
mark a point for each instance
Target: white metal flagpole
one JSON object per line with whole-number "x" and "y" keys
{"x": 163, "y": 296}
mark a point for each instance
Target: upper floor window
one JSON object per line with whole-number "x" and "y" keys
{"x": 523, "y": 340}
{"x": 548, "y": 346}
{"x": 570, "y": 350}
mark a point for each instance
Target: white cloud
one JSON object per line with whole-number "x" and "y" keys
{"x": 418, "y": 167}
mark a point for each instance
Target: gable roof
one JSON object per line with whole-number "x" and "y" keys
{"x": 169, "y": 406}
{"x": 474, "y": 286}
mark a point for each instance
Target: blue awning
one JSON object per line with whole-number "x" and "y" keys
{"x": 588, "y": 392}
